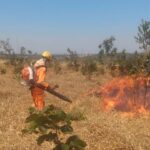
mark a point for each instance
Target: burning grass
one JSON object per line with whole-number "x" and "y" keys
{"x": 130, "y": 95}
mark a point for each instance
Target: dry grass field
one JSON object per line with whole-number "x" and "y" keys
{"x": 100, "y": 130}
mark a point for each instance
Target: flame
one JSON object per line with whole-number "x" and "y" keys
{"x": 129, "y": 95}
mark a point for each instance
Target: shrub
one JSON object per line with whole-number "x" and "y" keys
{"x": 101, "y": 70}
{"x": 133, "y": 64}
{"x": 88, "y": 67}
{"x": 57, "y": 66}
{"x": 146, "y": 65}
{"x": 50, "y": 124}
{"x": 73, "y": 60}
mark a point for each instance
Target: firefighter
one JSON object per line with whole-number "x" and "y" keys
{"x": 35, "y": 78}
{"x": 40, "y": 68}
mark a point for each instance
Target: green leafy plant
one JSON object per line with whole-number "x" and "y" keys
{"x": 51, "y": 124}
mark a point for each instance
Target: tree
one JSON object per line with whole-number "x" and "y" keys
{"x": 101, "y": 55}
{"x": 6, "y": 46}
{"x": 107, "y": 45}
{"x": 22, "y": 50}
{"x": 143, "y": 35}
{"x": 114, "y": 52}
{"x": 107, "y": 51}
{"x": 29, "y": 52}
{"x": 88, "y": 67}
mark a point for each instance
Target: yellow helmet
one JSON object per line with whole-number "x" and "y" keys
{"x": 47, "y": 55}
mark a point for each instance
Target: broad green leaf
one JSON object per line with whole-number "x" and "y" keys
{"x": 75, "y": 142}
{"x": 62, "y": 146}
{"x": 66, "y": 129}
{"x": 32, "y": 117}
{"x": 48, "y": 109}
{"x": 58, "y": 115}
{"x": 32, "y": 127}
{"x": 42, "y": 129}
{"x": 46, "y": 137}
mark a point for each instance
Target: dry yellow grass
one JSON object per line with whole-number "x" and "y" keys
{"x": 101, "y": 131}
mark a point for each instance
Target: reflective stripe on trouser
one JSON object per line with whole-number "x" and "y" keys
{"x": 38, "y": 97}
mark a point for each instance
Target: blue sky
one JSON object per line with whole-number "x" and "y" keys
{"x": 77, "y": 24}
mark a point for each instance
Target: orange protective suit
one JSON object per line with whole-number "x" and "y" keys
{"x": 37, "y": 93}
